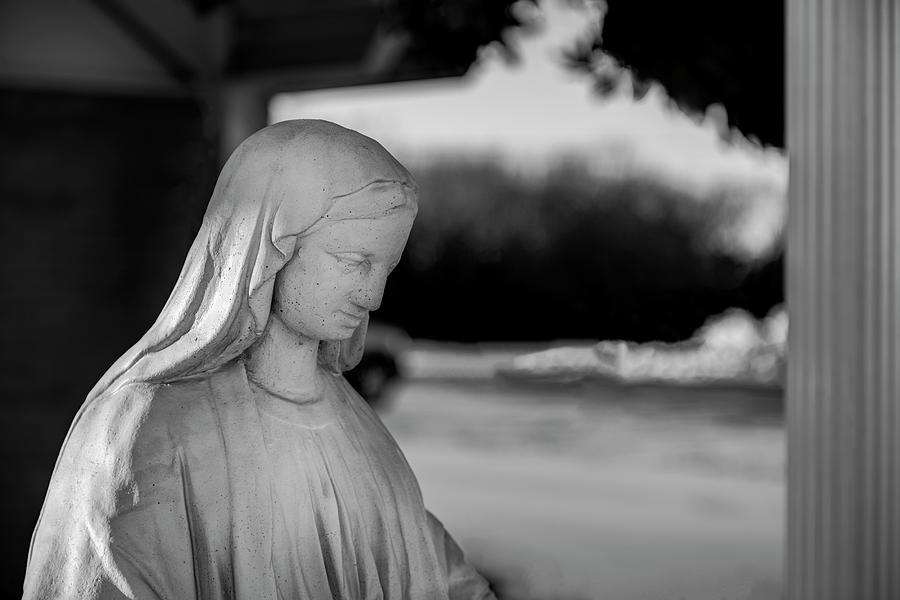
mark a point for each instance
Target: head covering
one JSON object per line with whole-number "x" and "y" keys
{"x": 277, "y": 185}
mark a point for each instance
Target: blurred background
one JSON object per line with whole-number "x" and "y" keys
{"x": 582, "y": 351}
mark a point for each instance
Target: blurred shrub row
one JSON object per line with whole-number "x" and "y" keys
{"x": 496, "y": 256}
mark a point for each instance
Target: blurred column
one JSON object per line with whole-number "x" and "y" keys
{"x": 843, "y": 82}
{"x": 244, "y": 110}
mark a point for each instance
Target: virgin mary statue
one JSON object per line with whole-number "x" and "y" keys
{"x": 224, "y": 455}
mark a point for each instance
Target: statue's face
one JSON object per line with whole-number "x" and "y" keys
{"x": 338, "y": 275}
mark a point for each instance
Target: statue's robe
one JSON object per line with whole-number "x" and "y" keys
{"x": 206, "y": 489}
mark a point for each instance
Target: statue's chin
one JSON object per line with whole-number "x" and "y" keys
{"x": 345, "y": 333}
{"x": 342, "y": 337}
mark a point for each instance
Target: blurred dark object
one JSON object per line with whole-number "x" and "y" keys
{"x": 703, "y": 52}
{"x": 272, "y": 35}
{"x": 399, "y": 39}
{"x": 380, "y": 364}
{"x": 439, "y": 36}
{"x": 450, "y": 32}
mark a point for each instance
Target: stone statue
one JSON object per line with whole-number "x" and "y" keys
{"x": 224, "y": 455}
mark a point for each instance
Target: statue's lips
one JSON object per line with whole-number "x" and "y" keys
{"x": 357, "y": 319}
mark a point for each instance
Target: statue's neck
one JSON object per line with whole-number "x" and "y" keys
{"x": 284, "y": 364}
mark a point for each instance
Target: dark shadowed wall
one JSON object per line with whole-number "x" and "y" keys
{"x": 100, "y": 198}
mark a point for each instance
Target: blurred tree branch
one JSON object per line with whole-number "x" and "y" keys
{"x": 703, "y": 52}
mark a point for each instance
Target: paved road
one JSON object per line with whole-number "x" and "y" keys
{"x": 586, "y": 491}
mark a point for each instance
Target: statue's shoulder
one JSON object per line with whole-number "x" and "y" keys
{"x": 151, "y": 401}
{"x": 118, "y": 490}
{"x": 140, "y": 420}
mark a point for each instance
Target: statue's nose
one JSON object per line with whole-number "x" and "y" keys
{"x": 370, "y": 296}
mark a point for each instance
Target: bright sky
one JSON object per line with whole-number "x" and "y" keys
{"x": 532, "y": 113}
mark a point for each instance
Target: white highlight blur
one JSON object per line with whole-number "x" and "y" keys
{"x": 733, "y": 348}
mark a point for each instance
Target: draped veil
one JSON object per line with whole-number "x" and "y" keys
{"x": 277, "y": 184}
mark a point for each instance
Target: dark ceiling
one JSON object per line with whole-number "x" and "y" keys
{"x": 439, "y": 37}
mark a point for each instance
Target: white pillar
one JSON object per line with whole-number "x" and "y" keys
{"x": 843, "y": 270}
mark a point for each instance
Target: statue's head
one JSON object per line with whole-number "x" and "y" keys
{"x": 339, "y": 270}
{"x": 306, "y": 221}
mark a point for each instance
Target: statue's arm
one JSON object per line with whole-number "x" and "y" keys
{"x": 464, "y": 581}
{"x": 114, "y": 522}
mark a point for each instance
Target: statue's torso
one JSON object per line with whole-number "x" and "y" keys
{"x": 207, "y": 489}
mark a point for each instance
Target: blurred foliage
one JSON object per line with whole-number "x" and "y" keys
{"x": 703, "y": 52}
{"x": 494, "y": 256}
{"x": 451, "y": 32}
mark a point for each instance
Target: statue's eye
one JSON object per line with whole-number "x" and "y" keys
{"x": 351, "y": 260}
